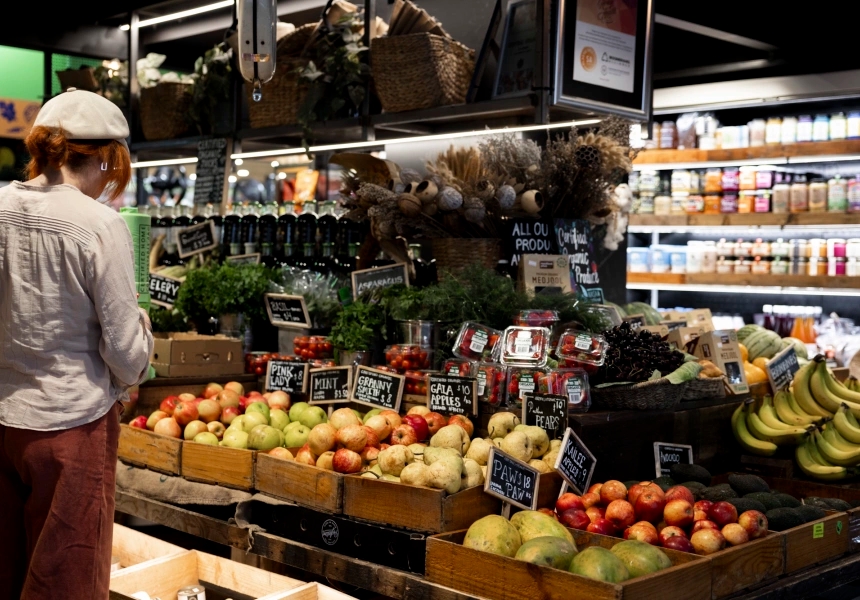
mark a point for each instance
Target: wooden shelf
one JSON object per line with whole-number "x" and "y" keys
{"x": 670, "y": 278}
{"x": 778, "y": 153}
{"x": 798, "y": 281}
{"x": 768, "y": 220}
{"x": 731, "y": 283}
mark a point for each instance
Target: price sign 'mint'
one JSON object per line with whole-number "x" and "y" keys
{"x": 330, "y": 385}
{"x": 287, "y": 311}
{"x": 781, "y": 369}
{"x": 197, "y": 238}
{"x": 163, "y": 290}
{"x": 547, "y": 411}
{"x": 666, "y": 455}
{"x": 575, "y": 462}
{"x": 452, "y": 395}
{"x": 285, "y": 376}
{"x": 511, "y": 480}
{"x": 370, "y": 279}
{"x": 377, "y": 389}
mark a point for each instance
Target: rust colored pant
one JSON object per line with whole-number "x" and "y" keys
{"x": 56, "y": 510}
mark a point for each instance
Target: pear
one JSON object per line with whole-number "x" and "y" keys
{"x": 416, "y": 473}
{"x": 451, "y": 436}
{"x": 394, "y": 459}
{"x": 550, "y": 458}
{"x": 539, "y": 438}
{"x": 479, "y": 451}
{"x": 472, "y": 474}
{"x": 417, "y": 452}
{"x": 555, "y": 445}
{"x": 518, "y": 445}
{"x": 540, "y": 465}
{"x": 432, "y": 454}
{"x": 501, "y": 424}
{"x": 445, "y": 476}
{"x": 387, "y": 477}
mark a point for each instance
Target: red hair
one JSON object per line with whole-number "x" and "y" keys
{"x": 49, "y": 147}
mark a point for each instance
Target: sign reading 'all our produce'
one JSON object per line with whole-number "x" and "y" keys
{"x": 575, "y": 462}
{"x": 511, "y": 480}
{"x": 163, "y": 290}
{"x": 286, "y": 376}
{"x": 377, "y": 389}
{"x": 330, "y": 385}
{"x": 452, "y": 395}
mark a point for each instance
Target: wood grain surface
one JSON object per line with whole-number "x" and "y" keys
{"x": 143, "y": 448}
{"x": 313, "y": 487}
{"x": 230, "y": 467}
{"x": 803, "y": 549}
{"x": 740, "y": 567}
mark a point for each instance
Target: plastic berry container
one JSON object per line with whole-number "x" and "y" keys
{"x": 523, "y": 381}
{"x": 459, "y": 367}
{"x": 525, "y": 346}
{"x": 491, "y": 382}
{"x": 416, "y": 383}
{"x": 476, "y": 342}
{"x": 572, "y": 383}
{"x": 407, "y": 357}
{"x": 577, "y": 347}
{"x": 385, "y": 368}
{"x": 312, "y": 347}
{"x": 321, "y": 363}
{"x": 536, "y": 318}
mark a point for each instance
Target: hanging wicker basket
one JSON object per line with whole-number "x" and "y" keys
{"x": 163, "y": 111}
{"x": 420, "y": 70}
{"x": 454, "y": 254}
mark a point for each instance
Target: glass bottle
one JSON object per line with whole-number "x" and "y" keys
{"x": 381, "y": 260}
{"x": 307, "y": 227}
{"x": 306, "y": 261}
{"x": 171, "y": 229}
{"x": 349, "y": 263}
{"x": 425, "y": 271}
{"x": 327, "y": 223}
{"x": 198, "y": 214}
{"x": 213, "y": 213}
{"x": 232, "y": 237}
{"x": 156, "y": 227}
{"x": 287, "y": 258}
{"x": 268, "y": 232}
{"x": 250, "y": 228}
{"x": 325, "y": 264}
{"x": 286, "y": 233}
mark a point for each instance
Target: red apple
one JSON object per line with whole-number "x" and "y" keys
{"x": 352, "y": 437}
{"x": 345, "y": 460}
{"x": 649, "y": 506}
{"x": 254, "y": 394}
{"x": 372, "y": 438}
{"x": 568, "y": 501}
{"x": 620, "y": 513}
{"x": 723, "y": 513}
{"x": 228, "y": 414}
{"x": 370, "y": 454}
{"x": 168, "y": 427}
{"x": 575, "y": 519}
{"x": 168, "y": 405}
{"x": 186, "y": 397}
{"x": 235, "y": 386}
{"x": 548, "y": 512}
{"x": 305, "y": 456}
{"x": 678, "y": 513}
{"x": 435, "y": 422}
{"x": 595, "y": 512}
{"x": 595, "y": 488}
{"x": 707, "y": 541}
{"x": 279, "y": 400}
{"x": 227, "y": 398}
{"x": 383, "y": 446}
{"x": 404, "y": 435}
{"x": 636, "y": 490}
{"x": 700, "y": 510}
{"x": 735, "y": 534}
{"x": 706, "y": 524}
{"x": 754, "y": 522}
{"x": 601, "y": 526}
{"x": 394, "y": 418}
{"x": 212, "y": 390}
{"x": 419, "y": 424}
{"x": 590, "y": 499}
{"x": 185, "y": 412}
{"x": 679, "y": 492}
{"x": 138, "y": 422}
{"x": 612, "y": 490}
{"x": 463, "y": 422}
{"x": 679, "y": 543}
{"x": 642, "y": 531}
{"x": 154, "y": 418}
{"x": 670, "y": 532}
{"x": 209, "y": 410}
{"x": 244, "y": 401}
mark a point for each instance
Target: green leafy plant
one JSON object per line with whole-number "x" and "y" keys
{"x": 165, "y": 320}
{"x": 225, "y": 289}
{"x": 212, "y": 87}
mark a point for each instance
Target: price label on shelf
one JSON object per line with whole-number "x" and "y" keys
{"x": 547, "y": 411}
{"x": 377, "y": 389}
{"x": 666, "y": 455}
{"x": 196, "y": 239}
{"x": 287, "y": 311}
{"x": 289, "y": 377}
{"x": 163, "y": 290}
{"x": 330, "y": 385}
{"x": 452, "y": 395}
{"x": 781, "y": 369}
{"x": 575, "y": 462}
{"x": 511, "y": 480}
{"x": 370, "y": 279}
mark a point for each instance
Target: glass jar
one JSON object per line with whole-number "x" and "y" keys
{"x": 818, "y": 195}
{"x": 817, "y": 266}
{"x": 779, "y": 266}
{"x": 668, "y": 135}
{"x": 781, "y": 196}
{"x": 800, "y": 266}
{"x": 762, "y": 201}
{"x": 725, "y": 247}
{"x": 743, "y": 248}
{"x": 761, "y": 248}
{"x": 696, "y": 181}
{"x": 854, "y": 194}
{"x": 681, "y": 180}
{"x": 695, "y": 204}
{"x": 743, "y": 266}
{"x": 798, "y": 249}
{"x": 709, "y": 257}
{"x": 659, "y": 259}
{"x": 764, "y": 179}
{"x": 773, "y": 131}
{"x": 799, "y": 195}
{"x": 821, "y": 128}
{"x": 789, "y": 130}
{"x": 679, "y": 203}
{"x": 853, "y": 125}
{"x": 664, "y": 185}
{"x": 662, "y": 205}
{"x": 695, "y": 256}
{"x": 729, "y": 203}
{"x": 780, "y": 248}
{"x": 746, "y": 201}
{"x": 678, "y": 260}
{"x": 836, "y": 248}
{"x": 804, "y": 128}
{"x": 852, "y": 267}
{"x": 746, "y": 180}
{"x": 757, "y": 129}
{"x": 837, "y": 194}
{"x": 713, "y": 181}
{"x": 712, "y": 204}
{"x": 852, "y": 248}
{"x": 725, "y": 265}
{"x": 760, "y": 266}
{"x": 646, "y": 204}
{"x": 838, "y": 126}
{"x": 817, "y": 248}
{"x": 731, "y": 180}
{"x": 648, "y": 181}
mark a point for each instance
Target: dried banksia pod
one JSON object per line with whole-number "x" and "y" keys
{"x": 449, "y": 199}
{"x": 409, "y": 205}
{"x": 485, "y": 189}
{"x": 506, "y": 196}
{"x": 426, "y": 190}
{"x": 531, "y": 201}
{"x": 475, "y": 211}
{"x": 410, "y": 176}
{"x": 587, "y": 157}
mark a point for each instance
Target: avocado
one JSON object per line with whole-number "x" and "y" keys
{"x": 745, "y": 484}
{"x": 745, "y": 504}
{"x": 836, "y": 504}
{"x": 817, "y": 502}
{"x": 718, "y": 494}
{"x": 810, "y": 513}
{"x": 665, "y": 483}
{"x": 694, "y": 486}
{"x": 766, "y": 498}
{"x": 786, "y": 500}
{"x": 780, "y": 519}
{"x": 682, "y": 472}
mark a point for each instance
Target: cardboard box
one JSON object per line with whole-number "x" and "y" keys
{"x": 539, "y": 272}
{"x": 700, "y": 317}
{"x": 191, "y": 354}
{"x": 721, "y": 348}
{"x": 684, "y": 335}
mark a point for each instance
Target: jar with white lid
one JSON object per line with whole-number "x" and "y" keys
{"x": 757, "y": 129}
{"x": 780, "y": 248}
{"x": 646, "y": 203}
{"x": 681, "y": 180}
{"x": 852, "y": 267}
{"x": 695, "y": 256}
{"x": 773, "y": 131}
{"x": 804, "y": 128}
{"x": 761, "y": 248}
{"x": 853, "y": 126}
{"x": 836, "y": 267}
{"x": 743, "y": 266}
{"x": 662, "y": 205}
{"x": 746, "y": 179}
{"x": 854, "y": 194}
{"x": 725, "y": 265}
{"x": 709, "y": 257}
{"x": 678, "y": 260}
{"x": 648, "y": 181}
{"x": 817, "y": 248}
{"x": 679, "y": 203}
{"x": 789, "y": 130}
{"x": 821, "y": 128}
{"x": 743, "y": 248}
{"x": 659, "y": 259}
{"x": 838, "y": 126}
{"x": 852, "y": 248}
{"x": 727, "y": 247}
{"x": 779, "y": 266}
{"x": 799, "y": 195}
{"x": 760, "y": 266}
{"x": 837, "y": 194}
{"x": 817, "y": 266}
{"x": 837, "y": 247}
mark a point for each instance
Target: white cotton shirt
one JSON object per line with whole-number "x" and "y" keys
{"x": 72, "y": 337}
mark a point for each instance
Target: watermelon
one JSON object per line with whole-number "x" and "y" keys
{"x": 652, "y": 317}
{"x": 747, "y": 330}
{"x": 799, "y": 346}
{"x": 764, "y": 343}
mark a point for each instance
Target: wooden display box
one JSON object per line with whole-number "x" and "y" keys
{"x": 315, "y": 591}
{"x": 143, "y": 448}
{"x": 740, "y": 567}
{"x": 162, "y": 578}
{"x": 192, "y": 354}
{"x": 815, "y": 542}
{"x": 296, "y": 482}
{"x": 132, "y": 548}
{"x": 501, "y": 578}
{"x": 230, "y": 467}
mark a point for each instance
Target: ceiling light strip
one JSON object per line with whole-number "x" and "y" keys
{"x": 180, "y": 15}
{"x": 163, "y": 163}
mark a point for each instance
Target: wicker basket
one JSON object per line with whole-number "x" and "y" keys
{"x": 163, "y": 111}
{"x": 454, "y": 254}
{"x": 704, "y": 388}
{"x": 420, "y": 70}
{"x": 648, "y": 395}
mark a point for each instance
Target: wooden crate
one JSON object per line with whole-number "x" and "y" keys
{"x": 815, "y": 542}
{"x": 163, "y": 577}
{"x": 143, "y": 448}
{"x": 501, "y": 578}
{"x": 313, "y": 487}
{"x": 314, "y": 591}
{"x": 740, "y": 567}
{"x": 230, "y": 467}
{"x": 132, "y": 547}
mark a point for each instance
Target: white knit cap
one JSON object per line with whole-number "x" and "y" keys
{"x": 84, "y": 116}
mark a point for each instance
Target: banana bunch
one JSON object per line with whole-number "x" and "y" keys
{"x": 775, "y": 423}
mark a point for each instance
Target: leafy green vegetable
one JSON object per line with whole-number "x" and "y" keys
{"x": 225, "y": 289}
{"x": 165, "y": 321}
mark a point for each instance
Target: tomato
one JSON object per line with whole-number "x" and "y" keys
{"x": 259, "y": 371}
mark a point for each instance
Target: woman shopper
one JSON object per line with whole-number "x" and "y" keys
{"x": 72, "y": 340}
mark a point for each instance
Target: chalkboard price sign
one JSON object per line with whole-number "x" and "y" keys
{"x": 197, "y": 238}
{"x": 576, "y": 241}
{"x": 163, "y": 290}
{"x": 287, "y": 311}
{"x": 666, "y": 455}
{"x": 370, "y": 279}
{"x": 529, "y": 236}
{"x": 637, "y": 322}
{"x": 781, "y": 369}
{"x": 377, "y": 389}
{"x": 547, "y": 411}
{"x": 211, "y": 170}
{"x": 575, "y": 462}
{"x": 285, "y": 376}
{"x": 511, "y": 480}
{"x": 330, "y": 385}
{"x": 453, "y": 395}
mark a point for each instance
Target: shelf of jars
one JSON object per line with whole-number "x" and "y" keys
{"x": 738, "y": 279}
{"x": 644, "y": 223}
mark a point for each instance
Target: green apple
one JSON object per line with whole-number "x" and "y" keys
{"x": 238, "y": 423}
{"x": 312, "y": 416}
{"x": 252, "y": 420}
{"x": 297, "y": 409}
{"x": 370, "y": 413}
{"x": 260, "y": 407}
{"x": 358, "y": 414}
{"x": 296, "y": 437}
{"x": 293, "y": 425}
{"x": 206, "y": 438}
{"x": 279, "y": 419}
{"x": 235, "y": 438}
{"x": 264, "y": 437}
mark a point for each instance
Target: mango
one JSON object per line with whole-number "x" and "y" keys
{"x": 532, "y": 524}
{"x": 547, "y": 551}
{"x": 641, "y": 558}
{"x": 599, "y": 563}
{"x": 493, "y": 534}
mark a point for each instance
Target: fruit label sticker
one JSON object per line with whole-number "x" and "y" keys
{"x": 453, "y": 395}
{"x": 197, "y": 238}
{"x": 482, "y": 382}
{"x": 289, "y": 377}
{"x": 547, "y": 411}
{"x": 370, "y": 279}
{"x": 582, "y": 342}
{"x": 163, "y": 290}
{"x": 666, "y": 455}
{"x": 511, "y": 480}
{"x": 818, "y": 531}
{"x": 575, "y": 463}
{"x": 781, "y": 369}
{"x": 287, "y": 311}
{"x": 377, "y": 389}
{"x": 479, "y": 341}
{"x": 330, "y": 385}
